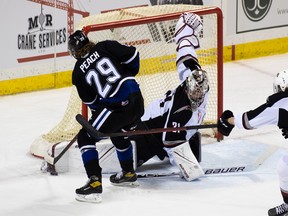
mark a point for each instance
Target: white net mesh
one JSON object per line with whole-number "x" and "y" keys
{"x": 151, "y": 30}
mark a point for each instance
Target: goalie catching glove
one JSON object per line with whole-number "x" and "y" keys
{"x": 223, "y": 126}
{"x": 188, "y": 28}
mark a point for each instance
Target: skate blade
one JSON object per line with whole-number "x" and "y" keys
{"x": 92, "y": 198}
{"x": 127, "y": 184}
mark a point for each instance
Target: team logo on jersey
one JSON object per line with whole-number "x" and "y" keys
{"x": 256, "y": 10}
{"x": 124, "y": 103}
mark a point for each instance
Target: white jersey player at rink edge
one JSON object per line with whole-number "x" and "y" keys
{"x": 273, "y": 112}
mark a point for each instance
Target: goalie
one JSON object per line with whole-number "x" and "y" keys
{"x": 185, "y": 105}
{"x": 181, "y": 107}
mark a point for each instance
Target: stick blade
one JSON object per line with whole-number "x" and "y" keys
{"x": 48, "y": 168}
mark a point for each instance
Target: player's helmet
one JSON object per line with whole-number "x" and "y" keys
{"x": 196, "y": 87}
{"x": 76, "y": 42}
{"x": 281, "y": 81}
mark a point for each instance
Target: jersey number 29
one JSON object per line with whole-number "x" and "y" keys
{"x": 104, "y": 67}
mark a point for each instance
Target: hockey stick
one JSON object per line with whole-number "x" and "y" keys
{"x": 96, "y": 134}
{"x": 53, "y": 160}
{"x": 207, "y": 171}
{"x": 49, "y": 161}
{"x": 222, "y": 170}
{"x": 153, "y": 175}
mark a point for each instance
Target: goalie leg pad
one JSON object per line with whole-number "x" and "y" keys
{"x": 108, "y": 157}
{"x": 187, "y": 162}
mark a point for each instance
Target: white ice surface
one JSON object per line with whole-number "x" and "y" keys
{"x": 25, "y": 191}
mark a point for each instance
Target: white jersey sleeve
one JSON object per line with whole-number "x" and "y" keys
{"x": 158, "y": 107}
{"x": 185, "y": 51}
{"x": 266, "y": 114}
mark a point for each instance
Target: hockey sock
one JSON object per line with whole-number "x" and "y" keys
{"x": 91, "y": 161}
{"x": 285, "y": 196}
{"x": 125, "y": 157}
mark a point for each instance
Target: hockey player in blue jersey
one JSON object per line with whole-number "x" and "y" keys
{"x": 104, "y": 75}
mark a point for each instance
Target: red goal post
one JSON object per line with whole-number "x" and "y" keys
{"x": 172, "y": 18}
{"x": 151, "y": 30}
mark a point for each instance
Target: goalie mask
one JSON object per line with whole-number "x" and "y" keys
{"x": 281, "y": 82}
{"x": 76, "y": 42}
{"x": 196, "y": 87}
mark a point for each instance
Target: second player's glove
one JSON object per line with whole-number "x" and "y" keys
{"x": 282, "y": 120}
{"x": 284, "y": 132}
{"x": 223, "y": 126}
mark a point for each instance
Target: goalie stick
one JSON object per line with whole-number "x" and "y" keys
{"x": 217, "y": 170}
{"x": 207, "y": 171}
{"x": 222, "y": 170}
{"x": 96, "y": 134}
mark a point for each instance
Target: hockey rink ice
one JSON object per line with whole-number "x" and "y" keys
{"x": 26, "y": 191}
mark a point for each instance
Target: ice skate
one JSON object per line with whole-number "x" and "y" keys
{"x": 124, "y": 179}
{"x": 281, "y": 210}
{"x": 91, "y": 191}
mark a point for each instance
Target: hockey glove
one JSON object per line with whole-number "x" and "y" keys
{"x": 187, "y": 29}
{"x": 284, "y": 132}
{"x": 223, "y": 126}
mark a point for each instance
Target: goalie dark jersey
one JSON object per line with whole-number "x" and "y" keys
{"x": 172, "y": 111}
{"x": 99, "y": 75}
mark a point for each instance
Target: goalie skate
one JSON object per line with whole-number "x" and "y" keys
{"x": 281, "y": 210}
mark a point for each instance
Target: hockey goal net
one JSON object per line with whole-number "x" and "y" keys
{"x": 151, "y": 30}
